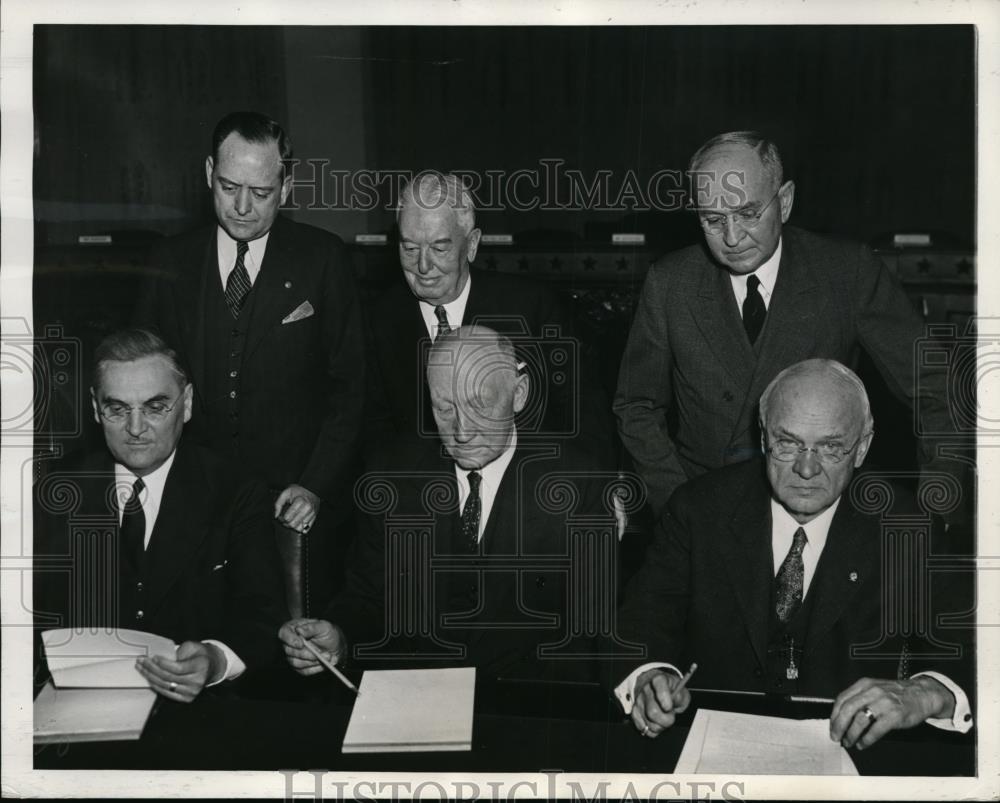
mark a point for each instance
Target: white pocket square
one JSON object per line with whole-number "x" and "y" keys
{"x": 303, "y": 310}
{"x": 220, "y": 566}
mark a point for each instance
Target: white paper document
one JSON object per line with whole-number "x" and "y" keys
{"x": 722, "y": 742}
{"x": 101, "y": 660}
{"x": 90, "y": 715}
{"x": 410, "y": 710}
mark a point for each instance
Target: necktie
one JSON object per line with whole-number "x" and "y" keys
{"x": 789, "y": 580}
{"x": 471, "y": 513}
{"x": 133, "y": 529}
{"x": 753, "y": 309}
{"x": 238, "y": 283}
{"x": 442, "y": 315}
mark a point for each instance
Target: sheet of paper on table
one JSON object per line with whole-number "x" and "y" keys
{"x": 90, "y": 715}
{"x": 411, "y": 710}
{"x": 722, "y": 742}
{"x": 103, "y": 659}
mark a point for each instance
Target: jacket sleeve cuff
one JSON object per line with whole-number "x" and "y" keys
{"x": 961, "y": 720}
{"x": 234, "y": 665}
{"x": 625, "y": 691}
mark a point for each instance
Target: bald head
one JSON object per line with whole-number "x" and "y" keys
{"x": 476, "y": 391}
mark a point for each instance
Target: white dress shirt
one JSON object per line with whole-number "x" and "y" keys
{"x": 455, "y": 310}
{"x": 783, "y": 528}
{"x": 227, "y": 255}
{"x": 492, "y": 475}
{"x": 767, "y": 275}
{"x": 150, "y": 499}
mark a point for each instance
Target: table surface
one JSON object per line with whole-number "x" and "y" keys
{"x": 518, "y": 727}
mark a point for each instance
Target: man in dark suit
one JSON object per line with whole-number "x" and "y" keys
{"x": 779, "y": 578}
{"x": 716, "y": 322}
{"x": 157, "y": 534}
{"x": 438, "y": 242}
{"x": 480, "y": 548}
{"x": 265, "y": 312}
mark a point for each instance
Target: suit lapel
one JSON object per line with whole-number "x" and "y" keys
{"x": 716, "y": 315}
{"x": 278, "y": 274}
{"x": 746, "y": 551}
{"x": 181, "y": 526}
{"x": 192, "y": 290}
{"x": 851, "y": 551}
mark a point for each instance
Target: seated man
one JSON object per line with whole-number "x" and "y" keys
{"x": 772, "y": 578}
{"x": 487, "y": 530}
{"x": 187, "y": 540}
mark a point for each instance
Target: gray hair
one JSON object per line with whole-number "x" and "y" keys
{"x": 430, "y": 189}
{"x": 765, "y": 149}
{"x": 129, "y": 345}
{"x": 829, "y": 367}
{"x": 500, "y": 346}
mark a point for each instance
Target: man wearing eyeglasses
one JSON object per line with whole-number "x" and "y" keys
{"x": 716, "y": 322}
{"x": 772, "y": 578}
{"x": 156, "y": 534}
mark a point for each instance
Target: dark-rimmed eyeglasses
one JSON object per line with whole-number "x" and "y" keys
{"x": 153, "y": 411}
{"x": 786, "y": 450}
{"x": 745, "y": 219}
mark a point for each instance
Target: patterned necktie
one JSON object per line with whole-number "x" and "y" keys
{"x": 442, "y": 315}
{"x": 133, "y": 529}
{"x": 753, "y": 309}
{"x": 238, "y": 283}
{"x": 789, "y": 580}
{"x": 471, "y": 513}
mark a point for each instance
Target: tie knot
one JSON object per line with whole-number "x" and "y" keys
{"x": 799, "y": 540}
{"x": 752, "y": 283}
{"x": 132, "y": 503}
{"x": 241, "y": 248}
{"x": 474, "y": 479}
{"x": 442, "y": 315}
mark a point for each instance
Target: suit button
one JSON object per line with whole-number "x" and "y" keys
{"x": 235, "y": 333}
{"x": 139, "y": 614}
{"x": 138, "y": 586}
{"x": 232, "y": 394}
{"x": 540, "y": 582}
{"x": 232, "y": 374}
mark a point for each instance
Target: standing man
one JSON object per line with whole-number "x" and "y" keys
{"x": 716, "y": 322}
{"x": 775, "y": 578}
{"x": 266, "y": 314}
{"x": 438, "y": 241}
{"x": 156, "y": 533}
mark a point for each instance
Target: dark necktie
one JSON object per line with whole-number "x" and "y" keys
{"x": 788, "y": 596}
{"x": 238, "y": 283}
{"x": 471, "y": 513}
{"x": 442, "y": 315}
{"x": 753, "y": 309}
{"x": 133, "y": 529}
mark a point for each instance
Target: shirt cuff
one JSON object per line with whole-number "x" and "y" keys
{"x": 234, "y": 666}
{"x": 625, "y": 691}
{"x": 961, "y": 720}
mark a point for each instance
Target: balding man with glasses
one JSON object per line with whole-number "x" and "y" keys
{"x": 774, "y": 577}
{"x": 158, "y": 534}
{"x": 716, "y": 322}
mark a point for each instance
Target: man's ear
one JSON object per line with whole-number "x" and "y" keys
{"x": 286, "y": 188}
{"x": 786, "y": 197}
{"x": 209, "y": 167}
{"x": 93, "y": 402}
{"x": 188, "y": 399}
{"x": 472, "y": 244}
{"x": 522, "y": 386}
{"x": 863, "y": 446}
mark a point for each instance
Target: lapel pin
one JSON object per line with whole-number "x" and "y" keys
{"x": 288, "y": 285}
{"x": 853, "y": 577}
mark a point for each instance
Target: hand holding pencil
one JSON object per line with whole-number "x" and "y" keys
{"x": 659, "y": 697}
{"x": 312, "y": 646}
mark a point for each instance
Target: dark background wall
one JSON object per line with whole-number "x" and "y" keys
{"x": 877, "y": 124}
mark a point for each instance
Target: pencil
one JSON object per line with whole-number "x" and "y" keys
{"x": 686, "y": 678}
{"x": 328, "y": 664}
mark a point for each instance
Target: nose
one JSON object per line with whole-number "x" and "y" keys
{"x": 807, "y": 464}
{"x": 424, "y": 262}
{"x": 242, "y": 202}
{"x": 135, "y": 424}
{"x": 732, "y": 233}
{"x": 464, "y": 430}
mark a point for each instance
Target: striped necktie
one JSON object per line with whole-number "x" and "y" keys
{"x": 238, "y": 283}
{"x": 442, "y": 315}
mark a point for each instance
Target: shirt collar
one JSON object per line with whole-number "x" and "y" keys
{"x": 767, "y": 274}
{"x": 493, "y": 472}
{"x": 817, "y": 530}
{"x": 227, "y": 250}
{"x": 455, "y": 309}
{"x": 154, "y": 481}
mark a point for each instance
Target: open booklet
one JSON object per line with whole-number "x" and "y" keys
{"x": 721, "y": 742}
{"x": 96, "y": 693}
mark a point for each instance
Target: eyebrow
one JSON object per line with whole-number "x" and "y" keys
{"x": 252, "y": 186}
{"x": 113, "y": 400}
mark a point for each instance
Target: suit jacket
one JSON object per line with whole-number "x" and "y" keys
{"x": 688, "y": 349}
{"x": 302, "y": 382}
{"x": 212, "y": 564}
{"x": 494, "y": 610}
{"x": 398, "y": 403}
{"x": 703, "y": 593}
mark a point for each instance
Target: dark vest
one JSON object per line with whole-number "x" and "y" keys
{"x": 785, "y": 644}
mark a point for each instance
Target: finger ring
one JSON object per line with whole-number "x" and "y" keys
{"x": 869, "y": 713}
{"x": 645, "y": 731}
{"x": 173, "y": 685}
